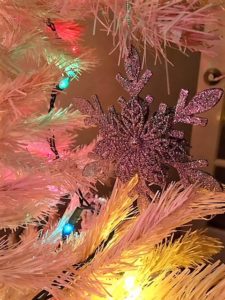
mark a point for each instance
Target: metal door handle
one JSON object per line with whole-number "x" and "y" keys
{"x": 213, "y": 76}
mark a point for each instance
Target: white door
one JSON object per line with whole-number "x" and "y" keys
{"x": 205, "y": 141}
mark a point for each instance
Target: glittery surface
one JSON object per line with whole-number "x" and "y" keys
{"x": 137, "y": 141}
{"x": 202, "y": 102}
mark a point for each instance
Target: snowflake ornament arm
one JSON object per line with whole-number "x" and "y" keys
{"x": 132, "y": 84}
{"x": 137, "y": 141}
{"x": 92, "y": 109}
{"x": 202, "y": 102}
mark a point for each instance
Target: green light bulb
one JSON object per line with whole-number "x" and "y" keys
{"x": 64, "y": 83}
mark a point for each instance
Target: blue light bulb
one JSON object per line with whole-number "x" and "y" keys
{"x": 64, "y": 83}
{"x": 68, "y": 229}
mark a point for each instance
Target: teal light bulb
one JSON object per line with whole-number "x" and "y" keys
{"x": 71, "y": 74}
{"x": 64, "y": 83}
{"x": 68, "y": 229}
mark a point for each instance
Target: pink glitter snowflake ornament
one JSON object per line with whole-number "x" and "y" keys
{"x": 137, "y": 141}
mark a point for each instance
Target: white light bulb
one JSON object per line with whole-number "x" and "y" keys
{"x": 129, "y": 282}
{"x": 133, "y": 295}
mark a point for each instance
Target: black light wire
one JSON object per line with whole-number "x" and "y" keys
{"x": 45, "y": 295}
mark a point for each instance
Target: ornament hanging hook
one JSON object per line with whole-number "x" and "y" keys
{"x": 128, "y": 20}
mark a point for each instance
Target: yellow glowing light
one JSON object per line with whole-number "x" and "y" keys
{"x": 133, "y": 295}
{"x": 126, "y": 288}
{"x": 133, "y": 290}
{"x": 129, "y": 282}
